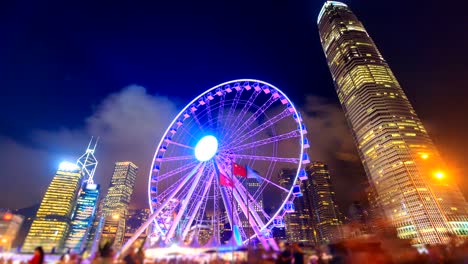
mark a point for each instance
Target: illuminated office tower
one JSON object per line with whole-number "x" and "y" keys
{"x": 299, "y": 225}
{"x": 83, "y": 219}
{"x": 318, "y": 189}
{"x": 422, "y": 202}
{"x": 85, "y": 209}
{"x": 9, "y": 227}
{"x": 51, "y": 225}
{"x": 117, "y": 201}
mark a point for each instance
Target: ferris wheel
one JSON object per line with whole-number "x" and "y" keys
{"x": 231, "y": 161}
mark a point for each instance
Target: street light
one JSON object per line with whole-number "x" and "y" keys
{"x": 424, "y": 156}
{"x": 439, "y": 175}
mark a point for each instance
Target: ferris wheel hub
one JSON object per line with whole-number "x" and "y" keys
{"x": 206, "y": 148}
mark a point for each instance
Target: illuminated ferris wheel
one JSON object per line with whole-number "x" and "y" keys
{"x": 219, "y": 163}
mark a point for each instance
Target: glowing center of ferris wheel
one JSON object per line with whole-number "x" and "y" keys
{"x": 206, "y": 148}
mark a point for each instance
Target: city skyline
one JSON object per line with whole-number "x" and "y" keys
{"x": 152, "y": 88}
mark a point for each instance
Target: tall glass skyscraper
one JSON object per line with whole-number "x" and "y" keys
{"x": 85, "y": 208}
{"x": 51, "y": 225}
{"x": 318, "y": 189}
{"x": 117, "y": 201}
{"x": 413, "y": 187}
{"x": 299, "y": 225}
{"x": 83, "y": 218}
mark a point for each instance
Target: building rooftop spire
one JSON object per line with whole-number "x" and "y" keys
{"x": 88, "y": 162}
{"x": 326, "y": 5}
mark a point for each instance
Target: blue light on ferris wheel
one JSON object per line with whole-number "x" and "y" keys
{"x": 206, "y": 148}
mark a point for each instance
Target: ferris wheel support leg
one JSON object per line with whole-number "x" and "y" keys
{"x": 170, "y": 234}
{"x": 252, "y": 221}
{"x": 227, "y": 205}
{"x": 150, "y": 219}
{"x": 273, "y": 244}
{"x": 197, "y": 207}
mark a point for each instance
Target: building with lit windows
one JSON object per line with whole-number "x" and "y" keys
{"x": 318, "y": 189}
{"x": 85, "y": 208}
{"x": 52, "y": 222}
{"x": 417, "y": 195}
{"x": 117, "y": 201}
{"x": 299, "y": 225}
{"x": 83, "y": 218}
{"x": 134, "y": 219}
{"x": 9, "y": 226}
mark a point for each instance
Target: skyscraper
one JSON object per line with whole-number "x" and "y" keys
{"x": 85, "y": 208}
{"x": 318, "y": 188}
{"x": 83, "y": 218}
{"x": 117, "y": 201}
{"x": 299, "y": 225}
{"x": 51, "y": 225}
{"x": 402, "y": 164}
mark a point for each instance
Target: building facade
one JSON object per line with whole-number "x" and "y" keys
{"x": 52, "y": 222}
{"x": 85, "y": 208}
{"x": 299, "y": 225}
{"x": 318, "y": 189}
{"x": 9, "y": 226}
{"x": 401, "y": 162}
{"x": 117, "y": 201}
{"x": 83, "y": 218}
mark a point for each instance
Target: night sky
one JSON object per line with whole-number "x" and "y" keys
{"x": 121, "y": 70}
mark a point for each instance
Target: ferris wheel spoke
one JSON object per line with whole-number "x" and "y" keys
{"x": 197, "y": 206}
{"x": 157, "y": 211}
{"x": 187, "y": 132}
{"x": 177, "y": 158}
{"x": 180, "y": 145}
{"x": 292, "y": 134}
{"x": 243, "y": 111}
{"x": 210, "y": 117}
{"x": 274, "y": 184}
{"x": 260, "y": 128}
{"x": 266, "y": 158}
{"x": 231, "y": 110}
{"x": 221, "y": 109}
{"x": 254, "y": 220}
{"x": 177, "y": 171}
{"x": 174, "y": 186}
{"x": 255, "y": 203}
{"x": 195, "y": 117}
{"x": 254, "y": 117}
{"x": 185, "y": 202}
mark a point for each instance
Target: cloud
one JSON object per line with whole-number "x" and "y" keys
{"x": 332, "y": 143}
{"x": 129, "y": 124}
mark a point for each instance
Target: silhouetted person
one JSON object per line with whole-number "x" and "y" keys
{"x": 38, "y": 257}
{"x": 298, "y": 254}
{"x": 286, "y": 256}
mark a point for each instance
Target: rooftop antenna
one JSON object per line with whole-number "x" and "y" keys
{"x": 87, "y": 162}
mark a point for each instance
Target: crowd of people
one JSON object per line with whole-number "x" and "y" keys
{"x": 358, "y": 251}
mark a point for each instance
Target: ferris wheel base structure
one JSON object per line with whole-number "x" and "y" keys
{"x": 219, "y": 159}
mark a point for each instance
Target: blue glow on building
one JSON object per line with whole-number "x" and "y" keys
{"x": 83, "y": 218}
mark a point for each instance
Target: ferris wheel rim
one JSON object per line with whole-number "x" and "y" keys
{"x": 279, "y": 209}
